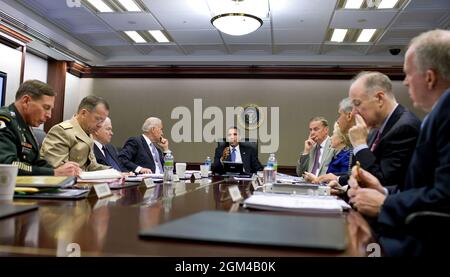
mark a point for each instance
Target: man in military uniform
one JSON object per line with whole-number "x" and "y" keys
{"x": 71, "y": 140}
{"x": 32, "y": 107}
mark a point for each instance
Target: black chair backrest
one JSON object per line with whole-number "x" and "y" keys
{"x": 247, "y": 142}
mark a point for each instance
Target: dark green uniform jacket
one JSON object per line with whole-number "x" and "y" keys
{"x": 18, "y": 145}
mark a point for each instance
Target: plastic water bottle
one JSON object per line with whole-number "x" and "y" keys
{"x": 168, "y": 167}
{"x": 272, "y": 162}
{"x": 208, "y": 163}
{"x": 273, "y": 165}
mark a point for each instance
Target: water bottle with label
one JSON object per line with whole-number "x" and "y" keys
{"x": 208, "y": 163}
{"x": 168, "y": 167}
{"x": 273, "y": 165}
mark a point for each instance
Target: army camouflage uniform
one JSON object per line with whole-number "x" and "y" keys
{"x": 18, "y": 145}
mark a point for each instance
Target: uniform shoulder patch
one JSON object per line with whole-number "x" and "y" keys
{"x": 66, "y": 125}
{"x": 5, "y": 118}
{"x": 2, "y": 124}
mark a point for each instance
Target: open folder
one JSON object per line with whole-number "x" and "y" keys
{"x": 255, "y": 229}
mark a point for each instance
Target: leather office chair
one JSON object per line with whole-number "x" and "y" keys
{"x": 432, "y": 229}
{"x": 39, "y": 134}
{"x": 247, "y": 142}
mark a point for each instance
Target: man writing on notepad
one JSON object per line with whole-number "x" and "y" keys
{"x": 32, "y": 107}
{"x": 71, "y": 141}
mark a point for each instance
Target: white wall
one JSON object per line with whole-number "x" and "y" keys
{"x": 35, "y": 68}
{"x": 10, "y": 62}
{"x": 76, "y": 89}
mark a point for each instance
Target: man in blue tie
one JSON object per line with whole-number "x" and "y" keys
{"x": 144, "y": 154}
{"x": 106, "y": 153}
{"x": 236, "y": 152}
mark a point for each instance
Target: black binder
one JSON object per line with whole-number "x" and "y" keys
{"x": 10, "y": 210}
{"x": 255, "y": 229}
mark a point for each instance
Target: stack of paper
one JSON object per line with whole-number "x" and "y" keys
{"x": 299, "y": 203}
{"x": 100, "y": 174}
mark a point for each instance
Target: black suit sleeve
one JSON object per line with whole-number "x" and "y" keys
{"x": 256, "y": 164}
{"x": 397, "y": 150}
{"x": 217, "y": 166}
{"x": 128, "y": 153}
{"x": 428, "y": 183}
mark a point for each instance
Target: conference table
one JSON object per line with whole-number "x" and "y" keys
{"x": 110, "y": 226}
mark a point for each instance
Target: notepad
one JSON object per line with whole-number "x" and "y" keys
{"x": 100, "y": 174}
{"x": 45, "y": 181}
{"x": 296, "y": 203}
{"x": 255, "y": 229}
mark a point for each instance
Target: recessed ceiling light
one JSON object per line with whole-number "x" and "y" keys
{"x": 366, "y": 35}
{"x": 387, "y": 4}
{"x": 353, "y": 4}
{"x": 159, "y": 36}
{"x": 100, "y": 6}
{"x": 339, "y": 35}
{"x": 130, "y": 5}
{"x": 135, "y": 36}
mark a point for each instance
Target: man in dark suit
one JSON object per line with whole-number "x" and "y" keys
{"x": 142, "y": 154}
{"x": 386, "y": 152}
{"x": 236, "y": 152}
{"x": 427, "y": 185}
{"x": 106, "y": 153}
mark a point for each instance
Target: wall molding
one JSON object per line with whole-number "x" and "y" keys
{"x": 252, "y": 72}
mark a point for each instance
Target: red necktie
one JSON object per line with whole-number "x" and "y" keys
{"x": 376, "y": 141}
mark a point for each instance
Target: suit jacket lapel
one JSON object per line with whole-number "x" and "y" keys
{"x": 392, "y": 120}
{"x": 245, "y": 158}
{"x": 112, "y": 153}
{"x": 147, "y": 148}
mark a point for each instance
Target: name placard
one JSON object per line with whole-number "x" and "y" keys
{"x": 100, "y": 191}
{"x": 197, "y": 175}
{"x": 235, "y": 193}
{"x": 149, "y": 183}
{"x": 175, "y": 178}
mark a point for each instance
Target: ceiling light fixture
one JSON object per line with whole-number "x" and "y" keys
{"x": 353, "y": 4}
{"x": 100, "y": 6}
{"x": 238, "y": 22}
{"x": 339, "y": 35}
{"x": 159, "y": 36}
{"x": 366, "y": 35}
{"x": 130, "y": 5}
{"x": 135, "y": 36}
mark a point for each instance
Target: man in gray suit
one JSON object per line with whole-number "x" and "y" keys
{"x": 317, "y": 153}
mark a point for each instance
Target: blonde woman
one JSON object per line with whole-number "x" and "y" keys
{"x": 341, "y": 161}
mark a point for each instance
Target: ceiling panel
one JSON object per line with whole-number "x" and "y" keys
{"x": 130, "y": 21}
{"x": 374, "y": 19}
{"x": 196, "y": 36}
{"x": 205, "y": 50}
{"x": 428, "y": 4}
{"x": 295, "y": 28}
{"x": 296, "y": 36}
{"x": 420, "y": 19}
{"x": 250, "y": 49}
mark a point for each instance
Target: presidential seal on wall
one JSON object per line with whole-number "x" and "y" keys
{"x": 250, "y": 117}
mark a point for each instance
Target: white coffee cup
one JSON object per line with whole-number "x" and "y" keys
{"x": 181, "y": 170}
{"x": 204, "y": 170}
{"x": 8, "y": 175}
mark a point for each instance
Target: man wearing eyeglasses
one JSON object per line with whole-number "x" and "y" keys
{"x": 71, "y": 140}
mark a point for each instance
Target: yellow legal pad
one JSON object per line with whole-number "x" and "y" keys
{"x": 45, "y": 181}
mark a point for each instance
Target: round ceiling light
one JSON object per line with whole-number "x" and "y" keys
{"x": 236, "y": 24}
